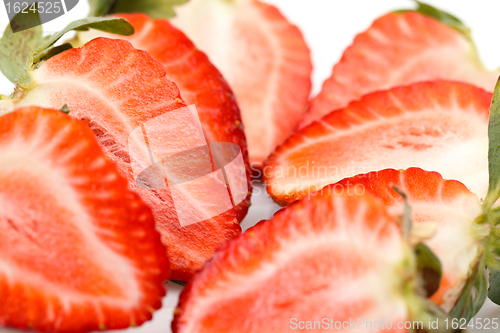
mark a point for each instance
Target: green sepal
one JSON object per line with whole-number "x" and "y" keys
{"x": 434, "y": 319}
{"x": 473, "y": 295}
{"x": 441, "y": 16}
{"x": 49, "y": 53}
{"x": 490, "y": 218}
{"x": 20, "y": 51}
{"x": 494, "y": 150}
{"x": 494, "y": 290}
{"x": 16, "y": 48}
{"x": 112, "y": 25}
{"x": 100, "y": 7}
{"x": 492, "y": 249}
{"x": 429, "y": 268}
{"x": 153, "y": 8}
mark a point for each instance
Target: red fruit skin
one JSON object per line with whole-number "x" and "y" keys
{"x": 116, "y": 216}
{"x": 129, "y": 87}
{"x": 386, "y": 129}
{"x": 299, "y": 277}
{"x": 199, "y": 82}
{"x": 399, "y": 49}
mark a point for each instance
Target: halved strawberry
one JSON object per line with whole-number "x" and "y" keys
{"x": 437, "y": 126}
{"x": 78, "y": 249}
{"x": 399, "y": 49}
{"x": 263, "y": 57}
{"x": 444, "y": 212}
{"x": 115, "y": 89}
{"x": 340, "y": 257}
{"x": 200, "y": 83}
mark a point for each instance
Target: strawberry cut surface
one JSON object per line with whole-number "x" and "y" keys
{"x": 399, "y": 49}
{"x": 437, "y": 126}
{"x": 263, "y": 57}
{"x": 444, "y": 212}
{"x": 199, "y": 82}
{"x": 115, "y": 89}
{"x": 328, "y": 256}
{"x": 78, "y": 250}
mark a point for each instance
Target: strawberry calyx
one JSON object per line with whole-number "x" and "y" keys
{"x": 412, "y": 286}
{"x": 487, "y": 231}
{"x": 419, "y": 286}
{"x": 421, "y": 271}
{"x": 23, "y": 51}
{"x": 156, "y": 9}
{"x": 474, "y": 292}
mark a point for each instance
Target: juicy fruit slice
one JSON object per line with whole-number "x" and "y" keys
{"x": 444, "y": 207}
{"x": 263, "y": 57}
{"x": 399, "y": 49}
{"x": 79, "y": 250}
{"x": 115, "y": 88}
{"x": 437, "y": 126}
{"x": 109, "y": 85}
{"x": 199, "y": 81}
{"x": 327, "y": 256}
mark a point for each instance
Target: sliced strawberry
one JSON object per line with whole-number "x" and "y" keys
{"x": 336, "y": 257}
{"x": 399, "y": 49}
{"x": 199, "y": 81}
{"x": 437, "y": 126}
{"x": 263, "y": 57}
{"x": 78, "y": 250}
{"x": 115, "y": 89}
{"x": 445, "y": 209}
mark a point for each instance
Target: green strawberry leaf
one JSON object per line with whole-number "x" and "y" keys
{"x": 481, "y": 288}
{"x": 491, "y": 247}
{"x": 429, "y": 268}
{"x": 494, "y": 290}
{"x": 473, "y": 295}
{"x": 112, "y": 25}
{"x": 16, "y": 48}
{"x": 49, "y": 53}
{"x": 153, "y": 8}
{"x": 435, "y": 319}
{"x": 494, "y": 150}
{"x": 100, "y": 7}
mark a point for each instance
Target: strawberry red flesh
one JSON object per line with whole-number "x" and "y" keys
{"x": 399, "y": 49}
{"x": 437, "y": 126}
{"x": 263, "y": 57}
{"x": 115, "y": 89}
{"x": 79, "y": 249}
{"x": 327, "y": 256}
{"x": 199, "y": 82}
{"x": 443, "y": 213}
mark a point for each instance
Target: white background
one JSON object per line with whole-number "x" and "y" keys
{"x": 329, "y": 26}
